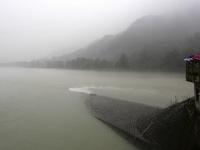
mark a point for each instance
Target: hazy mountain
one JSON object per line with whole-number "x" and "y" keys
{"x": 152, "y": 39}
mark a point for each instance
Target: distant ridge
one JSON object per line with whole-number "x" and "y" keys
{"x": 153, "y": 37}
{"x": 154, "y": 42}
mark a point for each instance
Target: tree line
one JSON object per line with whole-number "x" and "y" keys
{"x": 171, "y": 60}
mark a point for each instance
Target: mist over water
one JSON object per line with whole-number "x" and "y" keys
{"x": 56, "y": 53}
{"x": 39, "y": 112}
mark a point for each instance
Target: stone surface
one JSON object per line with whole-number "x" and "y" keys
{"x": 174, "y": 128}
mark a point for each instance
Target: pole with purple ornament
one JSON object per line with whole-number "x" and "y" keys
{"x": 193, "y": 75}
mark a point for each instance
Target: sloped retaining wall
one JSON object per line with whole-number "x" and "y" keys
{"x": 172, "y": 128}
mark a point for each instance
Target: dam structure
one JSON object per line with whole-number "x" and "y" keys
{"x": 193, "y": 75}
{"x": 176, "y": 127}
{"x": 150, "y": 128}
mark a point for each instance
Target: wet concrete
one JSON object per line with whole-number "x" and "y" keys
{"x": 172, "y": 128}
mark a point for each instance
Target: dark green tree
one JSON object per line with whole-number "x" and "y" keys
{"x": 122, "y": 62}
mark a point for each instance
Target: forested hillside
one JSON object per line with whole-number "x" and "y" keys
{"x": 151, "y": 42}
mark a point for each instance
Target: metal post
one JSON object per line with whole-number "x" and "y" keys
{"x": 196, "y": 94}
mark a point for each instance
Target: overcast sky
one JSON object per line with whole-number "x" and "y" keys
{"x": 31, "y": 29}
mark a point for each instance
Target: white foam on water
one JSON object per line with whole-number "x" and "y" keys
{"x": 91, "y": 89}
{"x": 85, "y": 90}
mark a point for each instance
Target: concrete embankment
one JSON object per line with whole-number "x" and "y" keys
{"x": 173, "y": 128}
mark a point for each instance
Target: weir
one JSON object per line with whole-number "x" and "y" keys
{"x": 150, "y": 128}
{"x": 176, "y": 127}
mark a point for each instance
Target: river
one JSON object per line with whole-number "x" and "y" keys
{"x": 44, "y": 109}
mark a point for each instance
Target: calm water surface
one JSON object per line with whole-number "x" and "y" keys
{"x": 40, "y": 111}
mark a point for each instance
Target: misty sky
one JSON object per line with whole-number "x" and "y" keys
{"x": 31, "y": 29}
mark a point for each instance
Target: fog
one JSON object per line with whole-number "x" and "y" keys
{"x": 57, "y": 55}
{"x": 32, "y": 29}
